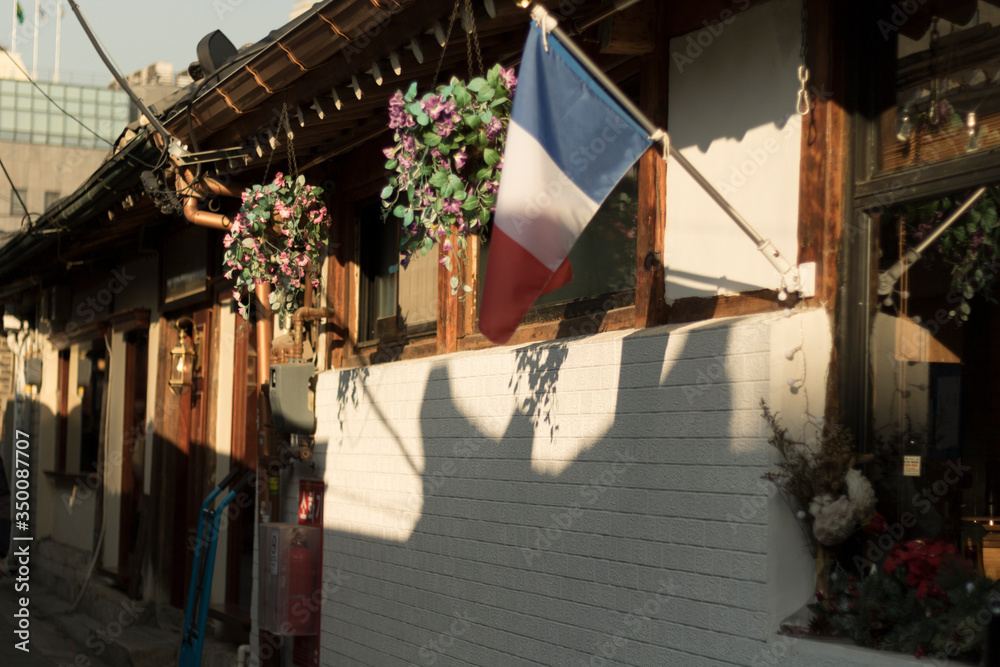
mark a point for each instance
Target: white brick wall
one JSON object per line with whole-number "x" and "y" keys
{"x": 593, "y": 501}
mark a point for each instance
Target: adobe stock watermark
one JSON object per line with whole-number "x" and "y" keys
{"x": 758, "y": 156}
{"x": 924, "y": 501}
{"x": 430, "y": 649}
{"x": 85, "y": 486}
{"x": 900, "y": 15}
{"x": 632, "y": 626}
{"x": 697, "y": 42}
{"x": 270, "y": 644}
{"x": 966, "y": 631}
{"x": 562, "y": 521}
{"x": 94, "y": 305}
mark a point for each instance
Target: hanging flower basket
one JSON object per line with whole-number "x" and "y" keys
{"x": 277, "y": 239}
{"x": 446, "y": 162}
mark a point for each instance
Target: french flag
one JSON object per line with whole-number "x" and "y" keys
{"x": 568, "y": 145}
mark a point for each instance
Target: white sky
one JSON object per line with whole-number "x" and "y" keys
{"x": 135, "y": 33}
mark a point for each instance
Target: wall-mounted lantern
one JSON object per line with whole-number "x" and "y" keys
{"x": 182, "y": 359}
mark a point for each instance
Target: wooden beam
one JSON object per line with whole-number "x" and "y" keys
{"x": 650, "y": 307}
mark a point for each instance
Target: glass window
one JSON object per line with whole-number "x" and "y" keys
{"x": 934, "y": 363}
{"x": 15, "y": 204}
{"x": 390, "y": 301}
{"x": 947, "y": 102}
{"x": 922, "y": 317}
{"x": 51, "y": 197}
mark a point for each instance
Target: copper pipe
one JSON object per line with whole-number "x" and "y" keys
{"x": 298, "y": 319}
{"x": 192, "y": 209}
{"x": 197, "y": 216}
{"x": 265, "y": 334}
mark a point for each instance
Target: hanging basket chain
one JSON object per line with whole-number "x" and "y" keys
{"x": 473, "y": 37}
{"x": 447, "y": 38}
{"x": 802, "y": 105}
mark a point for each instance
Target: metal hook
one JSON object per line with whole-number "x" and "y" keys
{"x": 802, "y": 105}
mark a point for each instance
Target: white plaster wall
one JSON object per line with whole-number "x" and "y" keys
{"x": 114, "y": 452}
{"x": 568, "y": 502}
{"x": 732, "y": 114}
{"x": 225, "y": 335}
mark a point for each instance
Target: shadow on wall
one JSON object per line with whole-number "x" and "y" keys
{"x": 626, "y": 555}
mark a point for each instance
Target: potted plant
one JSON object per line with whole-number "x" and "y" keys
{"x": 446, "y": 163}
{"x": 277, "y": 238}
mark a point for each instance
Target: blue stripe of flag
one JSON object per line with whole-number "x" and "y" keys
{"x": 585, "y": 132}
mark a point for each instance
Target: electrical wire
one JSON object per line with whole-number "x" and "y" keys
{"x": 24, "y": 207}
{"x": 79, "y": 122}
{"x": 46, "y": 95}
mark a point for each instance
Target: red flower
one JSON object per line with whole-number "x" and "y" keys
{"x": 875, "y": 524}
{"x": 922, "y": 561}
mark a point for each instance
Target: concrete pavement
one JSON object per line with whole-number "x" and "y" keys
{"x": 49, "y": 645}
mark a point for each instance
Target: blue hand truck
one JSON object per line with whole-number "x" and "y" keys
{"x": 202, "y": 568}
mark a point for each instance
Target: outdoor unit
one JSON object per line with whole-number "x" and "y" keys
{"x": 290, "y": 400}
{"x": 289, "y": 574}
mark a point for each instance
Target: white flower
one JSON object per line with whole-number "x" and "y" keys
{"x": 861, "y": 494}
{"x": 833, "y": 519}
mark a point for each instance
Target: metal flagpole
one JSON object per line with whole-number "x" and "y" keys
{"x": 59, "y": 13}
{"x": 549, "y": 24}
{"x": 13, "y": 28}
{"x": 34, "y": 48}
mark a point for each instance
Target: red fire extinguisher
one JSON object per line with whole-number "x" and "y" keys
{"x": 303, "y": 595}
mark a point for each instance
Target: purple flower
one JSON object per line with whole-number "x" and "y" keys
{"x": 494, "y": 128}
{"x": 445, "y": 126}
{"x": 509, "y": 79}
{"x": 398, "y": 118}
{"x": 408, "y": 143}
{"x": 279, "y": 180}
{"x": 389, "y": 152}
{"x": 451, "y": 206}
{"x": 432, "y": 106}
{"x": 460, "y": 159}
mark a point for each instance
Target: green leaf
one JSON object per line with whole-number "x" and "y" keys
{"x": 431, "y": 139}
{"x": 486, "y": 94}
{"x": 498, "y": 101}
{"x": 472, "y": 120}
{"x": 439, "y": 179}
{"x": 476, "y": 84}
{"x": 428, "y": 243}
{"x": 411, "y": 92}
{"x": 462, "y": 96}
{"x": 453, "y": 282}
{"x": 391, "y": 164}
{"x": 399, "y": 211}
{"x": 486, "y": 117}
{"x": 491, "y": 157}
{"x": 470, "y": 204}
{"x": 455, "y": 182}
{"x": 466, "y": 288}
{"x": 393, "y": 268}
{"x": 423, "y": 119}
{"x": 408, "y": 218}
{"x": 387, "y": 191}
